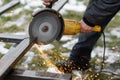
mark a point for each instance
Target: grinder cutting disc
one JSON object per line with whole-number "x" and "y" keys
{"x": 46, "y": 26}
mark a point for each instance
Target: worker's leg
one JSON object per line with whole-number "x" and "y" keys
{"x": 81, "y": 52}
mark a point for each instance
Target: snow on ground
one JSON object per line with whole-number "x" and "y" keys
{"x": 20, "y": 33}
{"x": 31, "y": 3}
{"x": 29, "y": 56}
{"x": 111, "y": 55}
{"x": 47, "y": 47}
{"x": 53, "y": 70}
{"x": 2, "y": 49}
{"x": 66, "y": 38}
{"x": 70, "y": 44}
{"x": 17, "y": 22}
{"x": 116, "y": 32}
{"x": 1, "y": 2}
{"x": 73, "y": 5}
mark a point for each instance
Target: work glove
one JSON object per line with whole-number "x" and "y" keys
{"x": 47, "y": 2}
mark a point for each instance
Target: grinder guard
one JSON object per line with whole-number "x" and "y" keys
{"x": 47, "y": 25}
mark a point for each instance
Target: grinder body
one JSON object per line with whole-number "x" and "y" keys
{"x": 72, "y": 27}
{"x": 48, "y": 25}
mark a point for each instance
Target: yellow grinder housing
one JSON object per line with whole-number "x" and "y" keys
{"x": 73, "y": 27}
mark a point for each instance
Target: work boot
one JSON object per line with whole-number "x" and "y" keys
{"x": 68, "y": 66}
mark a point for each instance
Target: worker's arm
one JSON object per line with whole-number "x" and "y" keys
{"x": 100, "y": 12}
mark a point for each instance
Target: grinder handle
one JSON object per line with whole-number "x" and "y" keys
{"x": 73, "y": 27}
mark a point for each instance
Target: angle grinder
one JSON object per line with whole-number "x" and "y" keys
{"x": 48, "y": 25}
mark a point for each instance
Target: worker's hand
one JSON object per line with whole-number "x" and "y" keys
{"x": 84, "y": 27}
{"x": 47, "y": 2}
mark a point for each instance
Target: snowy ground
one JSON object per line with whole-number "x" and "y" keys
{"x": 72, "y": 5}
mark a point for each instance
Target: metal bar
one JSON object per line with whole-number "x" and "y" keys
{"x": 12, "y": 38}
{"x": 59, "y": 5}
{"x": 36, "y": 75}
{"x": 8, "y": 61}
{"x": 9, "y": 6}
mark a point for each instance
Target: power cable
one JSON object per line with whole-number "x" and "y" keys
{"x": 104, "y": 44}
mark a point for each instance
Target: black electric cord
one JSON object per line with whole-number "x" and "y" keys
{"x": 103, "y": 61}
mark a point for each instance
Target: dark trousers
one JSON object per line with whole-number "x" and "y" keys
{"x": 81, "y": 52}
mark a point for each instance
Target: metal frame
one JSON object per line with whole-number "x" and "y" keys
{"x": 8, "y": 61}
{"x": 36, "y": 75}
{"x": 16, "y": 52}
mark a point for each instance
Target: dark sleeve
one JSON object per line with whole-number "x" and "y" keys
{"x": 100, "y": 12}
